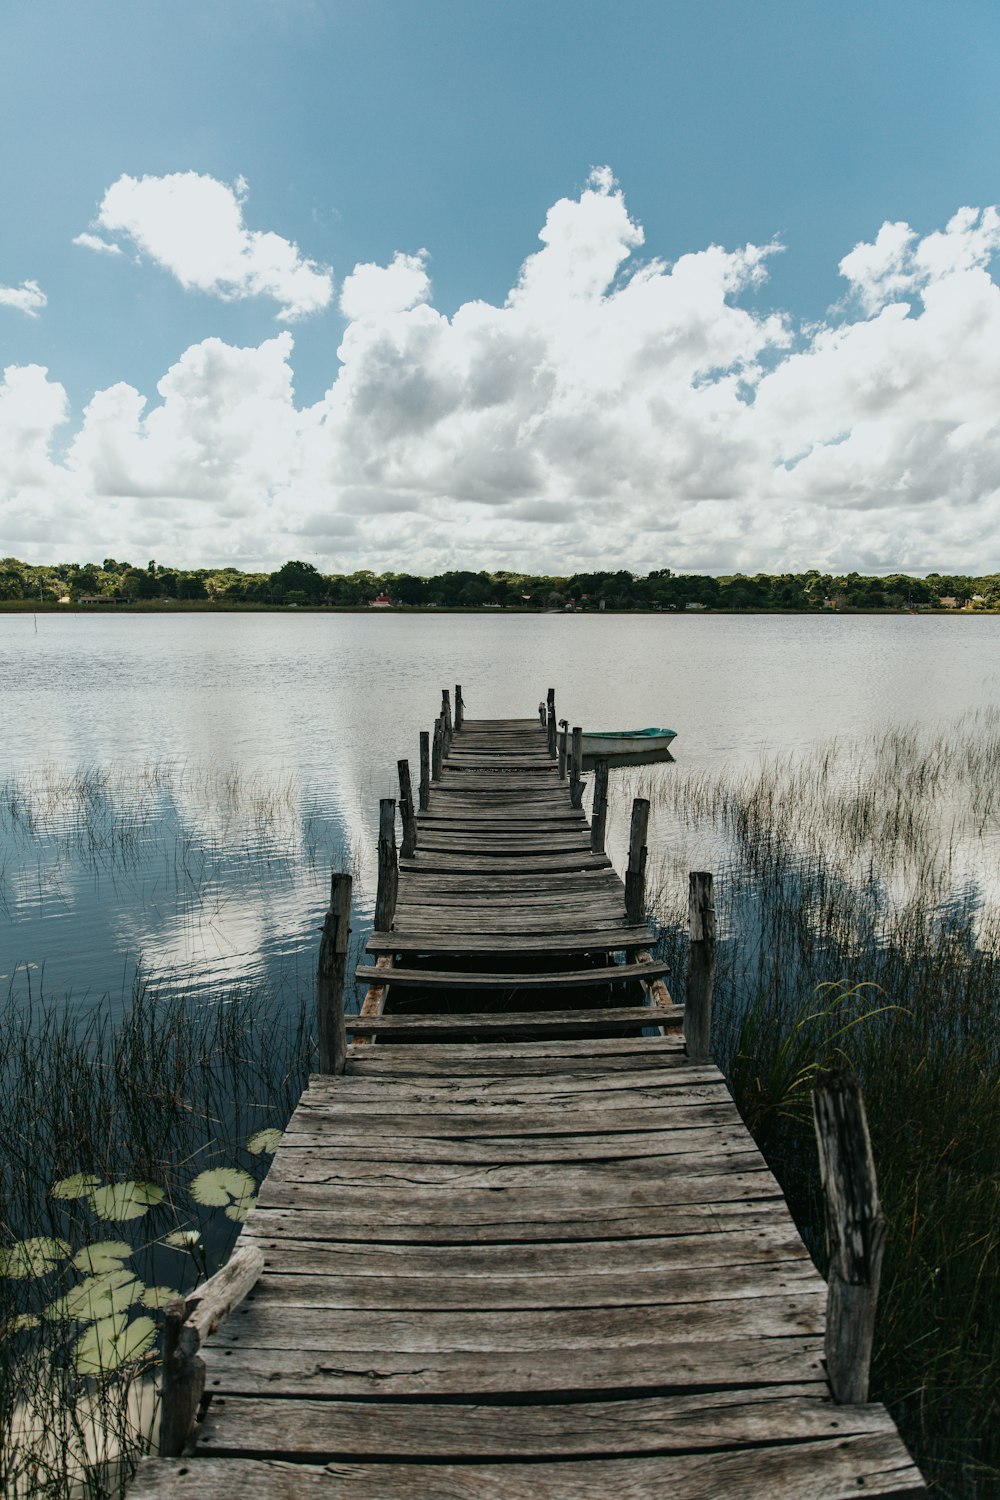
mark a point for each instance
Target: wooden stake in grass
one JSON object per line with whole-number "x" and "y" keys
{"x": 576, "y": 769}
{"x": 330, "y": 1035}
{"x": 635, "y": 874}
{"x": 855, "y": 1228}
{"x": 701, "y": 967}
{"x": 599, "y": 812}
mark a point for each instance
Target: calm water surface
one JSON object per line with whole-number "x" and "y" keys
{"x": 175, "y": 790}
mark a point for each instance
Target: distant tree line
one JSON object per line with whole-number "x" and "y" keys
{"x": 300, "y": 583}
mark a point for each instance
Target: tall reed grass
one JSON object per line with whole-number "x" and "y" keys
{"x": 859, "y": 922}
{"x": 133, "y": 1138}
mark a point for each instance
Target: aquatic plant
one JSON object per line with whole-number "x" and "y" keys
{"x": 133, "y": 1147}
{"x": 858, "y": 914}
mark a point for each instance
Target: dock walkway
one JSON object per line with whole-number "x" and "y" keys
{"x": 522, "y": 1247}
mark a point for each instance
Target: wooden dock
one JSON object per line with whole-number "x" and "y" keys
{"x": 523, "y": 1246}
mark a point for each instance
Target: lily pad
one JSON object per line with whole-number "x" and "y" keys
{"x": 239, "y": 1212}
{"x": 106, "y": 1255}
{"x": 34, "y": 1257}
{"x": 98, "y": 1297}
{"x": 80, "y": 1186}
{"x": 158, "y": 1296}
{"x": 113, "y": 1342}
{"x": 125, "y": 1200}
{"x": 225, "y": 1186}
{"x": 264, "y": 1142}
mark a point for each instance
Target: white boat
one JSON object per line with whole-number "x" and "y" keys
{"x": 626, "y": 747}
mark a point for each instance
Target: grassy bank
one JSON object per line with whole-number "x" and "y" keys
{"x": 134, "y": 1140}
{"x": 855, "y": 928}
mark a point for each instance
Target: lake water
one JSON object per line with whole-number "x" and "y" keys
{"x": 174, "y": 790}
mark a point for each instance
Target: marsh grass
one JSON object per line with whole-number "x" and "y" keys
{"x": 133, "y": 1138}
{"x": 859, "y": 922}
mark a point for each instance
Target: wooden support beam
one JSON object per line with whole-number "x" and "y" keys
{"x": 424, "y": 791}
{"x": 330, "y": 1035}
{"x": 437, "y": 750}
{"x": 187, "y": 1323}
{"x": 701, "y": 966}
{"x": 599, "y": 812}
{"x": 635, "y": 874}
{"x": 388, "y": 868}
{"x": 459, "y": 706}
{"x": 550, "y": 720}
{"x": 563, "y": 755}
{"x": 855, "y": 1227}
{"x": 409, "y": 843}
{"x": 576, "y": 769}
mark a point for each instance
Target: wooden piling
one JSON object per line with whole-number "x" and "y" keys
{"x": 635, "y": 874}
{"x": 563, "y": 756}
{"x": 550, "y": 720}
{"x": 446, "y": 719}
{"x": 576, "y": 769}
{"x": 424, "y": 789}
{"x": 541, "y": 714}
{"x": 187, "y": 1323}
{"x": 330, "y": 1036}
{"x": 599, "y": 812}
{"x": 437, "y": 750}
{"x": 855, "y": 1228}
{"x": 408, "y": 846}
{"x": 701, "y": 967}
{"x": 459, "y": 707}
{"x": 388, "y": 868}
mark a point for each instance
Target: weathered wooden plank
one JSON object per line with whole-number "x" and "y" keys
{"x": 732, "y": 1363}
{"x": 561, "y": 1056}
{"x": 237, "y": 1425}
{"x": 329, "y": 1224}
{"x": 311, "y": 1168}
{"x": 602, "y": 939}
{"x": 769, "y": 1240}
{"x": 798, "y": 1311}
{"x": 461, "y": 1207}
{"x": 454, "y": 1293}
{"x": 873, "y": 1464}
{"x": 447, "y": 979}
{"x": 499, "y": 1121}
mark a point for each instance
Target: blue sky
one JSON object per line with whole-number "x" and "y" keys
{"x": 361, "y": 131}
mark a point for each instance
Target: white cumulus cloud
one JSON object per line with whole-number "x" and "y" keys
{"x": 613, "y": 410}
{"x": 27, "y": 298}
{"x": 193, "y": 226}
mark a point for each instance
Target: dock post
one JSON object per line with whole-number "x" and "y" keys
{"x": 541, "y": 714}
{"x": 388, "y": 869}
{"x": 701, "y": 967}
{"x": 437, "y": 750}
{"x": 446, "y": 718}
{"x": 576, "y": 772}
{"x": 855, "y": 1229}
{"x": 550, "y": 720}
{"x": 408, "y": 846}
{"x": 599, "y": 812}
{"x": 187, "y": 1323}
{"x": 424, "y": 789}
{"x": 635, "y": 874}
{"x": 330, "y": 1035}
{"x": 459, "y": 707}
{"x": 563, "y": 758}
